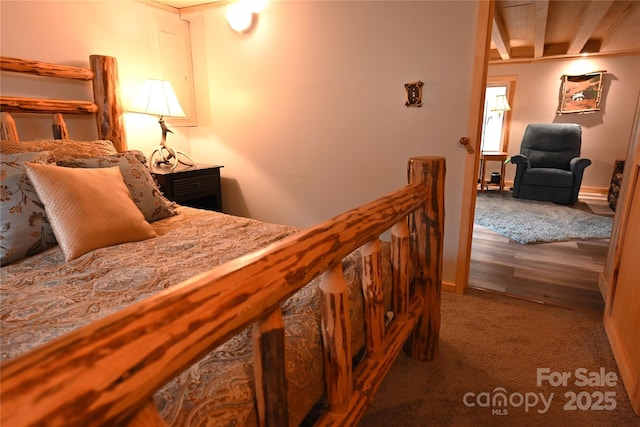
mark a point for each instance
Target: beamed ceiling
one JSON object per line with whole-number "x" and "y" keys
{"x": 531, "y": 30}
{"x": 534, "y": 30}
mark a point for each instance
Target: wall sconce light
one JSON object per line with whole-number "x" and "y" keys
{"x": 158, "y": 98}
{"x": 242, "y": 15}
{"x": 501, "y": 104}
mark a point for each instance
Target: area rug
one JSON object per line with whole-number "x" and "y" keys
{"x": 530, "y": 221}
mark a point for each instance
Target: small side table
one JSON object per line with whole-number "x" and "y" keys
{"x": 489, "y": 156}
{"x": 197, "y": 186}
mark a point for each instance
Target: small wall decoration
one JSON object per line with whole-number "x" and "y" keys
{"x": 581, "y": 94}
{"x": 413, "y": 94}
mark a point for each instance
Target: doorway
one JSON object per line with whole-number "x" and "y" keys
{"x": 561, "y": 273}
{"x": 467, "y": 267}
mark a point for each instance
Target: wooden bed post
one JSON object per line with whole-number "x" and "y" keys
{"x": 336, "y": 337}
{"x": 106, "y": 95}
{"x": 373, "y": 299}
{"x": 8, "y": 129}
{"x": 59, "y": 127}
{"x": 400, "y": 250}
{"x": 269, "y": 370}
{"x": 426, "y": 226}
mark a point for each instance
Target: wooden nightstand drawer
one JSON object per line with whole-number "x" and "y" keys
{"x": 196, "y": 186}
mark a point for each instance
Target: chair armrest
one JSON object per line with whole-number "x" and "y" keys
{"x": 579, "y": 164}
{"x": 520, "y": 159}
{"x": 522, "y": 163}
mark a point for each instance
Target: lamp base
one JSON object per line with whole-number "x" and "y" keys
{"x": 165, "y": 156}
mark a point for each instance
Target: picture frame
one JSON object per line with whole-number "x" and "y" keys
{"x": 581, "y": 93}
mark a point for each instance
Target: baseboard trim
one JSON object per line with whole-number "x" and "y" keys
{"x": 448, "y": 287}
{"x": 587, "y": 191}
{"x": 584, "y": 191}
{"x": 603, "y": 284}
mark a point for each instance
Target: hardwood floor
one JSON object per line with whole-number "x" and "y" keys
{"x": 561, "y": 273}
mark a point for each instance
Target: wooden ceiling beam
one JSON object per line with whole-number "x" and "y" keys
{"x": 619, "y": 14}
{"x": 499, "y": 34}
{"x": 522, "y": 52}
{"x": 591, "y": 17}
{"x": 542, "y": 13}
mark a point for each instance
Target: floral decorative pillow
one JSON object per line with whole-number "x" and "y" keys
{"x": 144, "y": 191}
{"x": 61, "y": 148}
{"x": 24, "y": 226}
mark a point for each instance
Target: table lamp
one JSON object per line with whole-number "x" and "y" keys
{"x": 501, "y": 104}
{"x": 158, "y": 98}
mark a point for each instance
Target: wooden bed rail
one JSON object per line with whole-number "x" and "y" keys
{"x": 107, "y": 372}
{"x": 106, "y": 105}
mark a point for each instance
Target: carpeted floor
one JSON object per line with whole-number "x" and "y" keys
{"x": 530, "y": 221}
{"x": 490, "y": 342}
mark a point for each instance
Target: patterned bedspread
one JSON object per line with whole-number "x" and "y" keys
{"x": 44, "y": 297}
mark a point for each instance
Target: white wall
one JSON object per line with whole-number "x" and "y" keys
{"x": 605, "y": 134}
{"x": 307, "y": 113}
{"x": 67, "y": 32}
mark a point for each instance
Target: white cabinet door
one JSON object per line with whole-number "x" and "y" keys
{"x": 172, "y": 37}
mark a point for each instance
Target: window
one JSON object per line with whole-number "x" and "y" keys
{"x": 492, "y": 128}
{"x": 495, "y": 128}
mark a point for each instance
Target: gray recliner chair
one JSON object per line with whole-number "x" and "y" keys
{"x": 549, "y": 166}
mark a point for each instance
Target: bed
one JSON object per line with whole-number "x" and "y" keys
{"x": 216, "y": 319}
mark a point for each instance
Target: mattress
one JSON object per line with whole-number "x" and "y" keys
{"x": 44, "y": 297}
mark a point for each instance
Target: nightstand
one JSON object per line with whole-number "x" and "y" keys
{"x": 196, "y": 186}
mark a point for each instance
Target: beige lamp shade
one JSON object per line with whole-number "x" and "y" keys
{"x": 157, "y": 97}
{"x": 501, "y": 104}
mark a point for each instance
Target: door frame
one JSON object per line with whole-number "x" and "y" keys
{"x": 623, "y": 351}
{"x": 474, "y": 132}
{"x": 608, "y": 277}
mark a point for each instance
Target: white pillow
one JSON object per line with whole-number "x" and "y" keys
{"x": 88, "y": 208}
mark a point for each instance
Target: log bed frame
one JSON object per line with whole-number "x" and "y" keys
{"x": 66, "y": 382}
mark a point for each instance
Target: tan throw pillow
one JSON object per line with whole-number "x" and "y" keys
{"x": 61, "y": 148}
{"x": 88, "y": 208}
